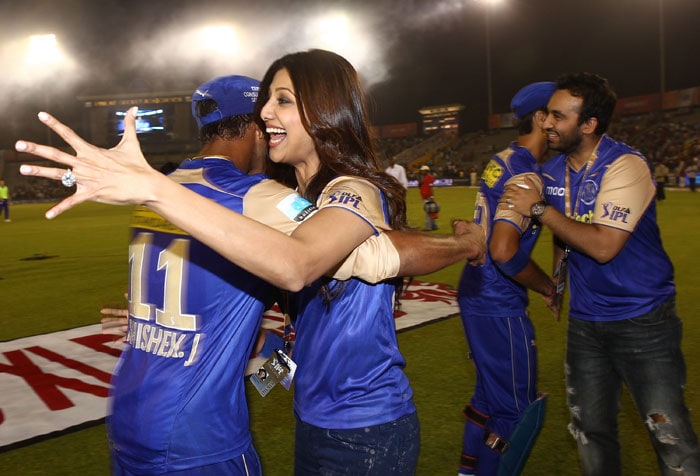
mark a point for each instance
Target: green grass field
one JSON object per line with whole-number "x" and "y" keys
{"x": 57, "y": 274}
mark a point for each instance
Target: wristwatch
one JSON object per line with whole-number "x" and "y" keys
{"x": 537, "y": 209}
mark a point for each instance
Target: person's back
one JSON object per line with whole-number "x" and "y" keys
{"x": 179, "y": 396}
{"x": 493, "y": 301}
{"x": 485, "y": 290}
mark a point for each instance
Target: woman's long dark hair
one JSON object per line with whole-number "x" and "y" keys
{"x": 332, "y": 107}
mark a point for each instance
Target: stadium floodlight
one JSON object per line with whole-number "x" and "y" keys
{"x": 41, "y": 57}
{"x": 44, "y": 57}
{"x": 488, "y": 5}
{"x": 350, "y": 36}
{"x": 332, "y": 31}
{"x": 219, "y": 39}
{"x": 43, "y": 50}
{"x": 662, "y": 52}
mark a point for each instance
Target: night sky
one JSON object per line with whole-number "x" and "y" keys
{"x": 410, "y": 53}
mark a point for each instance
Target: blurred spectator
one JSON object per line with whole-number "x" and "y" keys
{"x": 691, "y": 171}
{"x": 473, "y": 177}
{"x": 5, "y": 199}
{"x": 660, "y": 175}
{"x": 430, "y": 206}
{"x": 397, "y": 171}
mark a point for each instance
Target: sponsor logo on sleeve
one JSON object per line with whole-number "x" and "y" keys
{"x": 296, "y": 207}
{"x": 340, "y": 197}
{"x": 492, "y": 173}
{"x": 615, "y": 213}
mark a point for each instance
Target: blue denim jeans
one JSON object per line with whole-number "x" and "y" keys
{"x": 389, "y": 449}
{"x": 645, "y": 354}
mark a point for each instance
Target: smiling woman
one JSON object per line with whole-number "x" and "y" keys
{"x": 313, "y": 108}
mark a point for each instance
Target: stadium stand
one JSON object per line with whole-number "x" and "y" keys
{"x": 672, "y": 138}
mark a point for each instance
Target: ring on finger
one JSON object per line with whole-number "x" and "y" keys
{"x": 68, "y": 179}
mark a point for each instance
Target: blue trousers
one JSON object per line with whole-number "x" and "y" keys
{"x": 505, "y": 357}
{"x": 389, "y": 449}
{"x": 645, "y": 354}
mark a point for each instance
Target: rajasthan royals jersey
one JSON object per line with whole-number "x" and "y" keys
{"x": 350, "y": 371}
{"x": 178, "y": 397}
{"x": 614, "y": 189}
{"x": 484, "y": 290}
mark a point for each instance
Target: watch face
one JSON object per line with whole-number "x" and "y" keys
{"x": 537, "y": 209}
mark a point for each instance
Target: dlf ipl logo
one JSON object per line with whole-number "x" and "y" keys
{"x": 615, "y": 212}
{"x": 346, "y": 198}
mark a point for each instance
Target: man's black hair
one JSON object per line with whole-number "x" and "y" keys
{"x": 598, "y": 97}
{"x": 525, "y": 124}
{"x": 228, "y": 128}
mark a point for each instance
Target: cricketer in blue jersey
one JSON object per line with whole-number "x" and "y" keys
{"x": 493, "y": 298}
{"x": 178, "y": 400}
{"x": 178, "y": 397}
{"x": 623, "y": 326}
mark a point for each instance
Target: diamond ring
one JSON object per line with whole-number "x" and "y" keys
{"x": 68, "y": 179}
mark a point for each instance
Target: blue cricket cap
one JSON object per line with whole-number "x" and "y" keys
{"x": 531, "y": 98}
{"x": 234, "y": 95}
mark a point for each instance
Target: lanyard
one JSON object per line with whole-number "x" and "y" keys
{"x": 287, "y": 338}
{"x": 561, "y": 267}
{"x": 567, "y": 188}
{"x": 567, "y": 183}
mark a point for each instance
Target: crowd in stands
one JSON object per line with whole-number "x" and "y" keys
{"x": 33, "y": 189}
{"x": 450, "y": 156}
{"x": 671, "y": 139}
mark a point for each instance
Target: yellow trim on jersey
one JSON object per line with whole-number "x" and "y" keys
{"x": 147, "y": 219}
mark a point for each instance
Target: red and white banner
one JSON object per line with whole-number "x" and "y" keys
{"x": 54, "y": 381}
{"x": 57, "y": 381}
